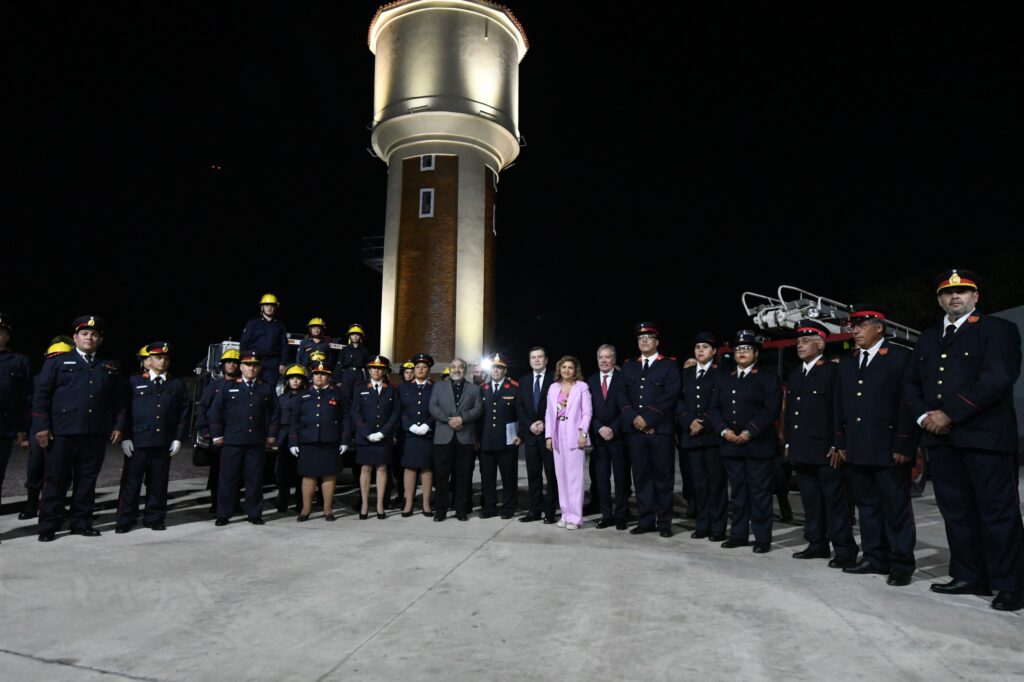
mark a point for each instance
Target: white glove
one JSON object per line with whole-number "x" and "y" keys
{"x": 375, "y": 437}
{"x": 415, "y": 430}
{"x": 175, "y": 447}
{"x": 343, "y": 449}
{"x": 294, "y": 450}
{"x": 127, "y": 447}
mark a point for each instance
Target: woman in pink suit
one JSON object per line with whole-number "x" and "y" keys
{"x": 566, "y": 423}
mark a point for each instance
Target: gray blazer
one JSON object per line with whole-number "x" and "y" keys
{"x": 442, "y": 407}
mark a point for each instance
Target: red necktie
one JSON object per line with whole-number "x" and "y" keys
{"x": 604, "y": 386}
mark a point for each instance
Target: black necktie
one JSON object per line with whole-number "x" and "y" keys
{"x": 742, "y": 374}
{"x": 863, "y": 360}
{"x": 805, "y": 371}
{"x": 950, "y": 331}
{"x": 377, "y": 388}
{"x": 89, "y": 358}
{"x": 645, "y": 364}
{"x": 159, "y": 381}
{"x": 700, "y": 374}
{"x": 536, "y": 392}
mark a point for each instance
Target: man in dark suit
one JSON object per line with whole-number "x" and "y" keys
{"x": 457, "y": 407}
{"x": 876, "y": 438}
{"x": 960, "y": 390}
{"x": 810, "y": 440}
{"x": 647, "y": 404}
{"x": 744, "y": 407}
{"x": 700, "y": 442}
{"x": 540, "y": 462}
{"x": 609, "y": 454}
{"x": 78, "y": 405}
{"x": 499, "y": 438}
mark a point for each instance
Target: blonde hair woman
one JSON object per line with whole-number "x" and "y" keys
{"x": 566, "y": 423}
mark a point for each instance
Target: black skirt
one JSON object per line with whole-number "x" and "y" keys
{"x": 375, "y": 454}
{"x": 318, "y": 459}
{"x": 417, "y": 452}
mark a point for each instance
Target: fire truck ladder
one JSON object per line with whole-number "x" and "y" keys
{"x": 784, "y": 311}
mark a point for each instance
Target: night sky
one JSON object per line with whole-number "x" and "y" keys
{"x": 673, "y": 161}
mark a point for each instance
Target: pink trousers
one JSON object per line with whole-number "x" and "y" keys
{"x": 569, "y": 466}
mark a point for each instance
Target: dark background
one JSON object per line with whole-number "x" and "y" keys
{"x": 673, "y": 161}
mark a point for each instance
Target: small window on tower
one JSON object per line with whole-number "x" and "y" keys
{"x": 427, "y": 162}
{"x": 427, "y": 203}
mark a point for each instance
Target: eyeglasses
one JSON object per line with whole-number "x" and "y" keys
{"x": 646, "y": 337}
{"x": 744, "y": 349}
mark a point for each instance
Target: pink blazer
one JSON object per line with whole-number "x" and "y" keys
{"x": 578, "y": 410}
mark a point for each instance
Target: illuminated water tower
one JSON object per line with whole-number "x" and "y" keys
{"x": 445, "y": 120}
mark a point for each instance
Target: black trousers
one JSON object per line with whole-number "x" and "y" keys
{"x": 608, "y": 460}
{"x": 540, "y": 466}
{"x": 653, "y": 459}
{"x": 458, "y": 459}
{"x": 236, "y": 462}
{"x": 76, "y": 458}
{"x": 751, "y": 481}
{"x": 287, "y": 478}
{"x": 152, "y": 465}
{"x": 5, "y": 456}
{"x": 710, "y": 489}
{"x": 886, "y": 519}
{"x": 35, "y": 469}
{"x": 490, "y": 462}
{"x": 826, "y": 510}
{"x": 977, "y": 495}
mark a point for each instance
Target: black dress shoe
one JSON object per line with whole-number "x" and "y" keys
{"x": 1004, "y": 601}
{"x": 121, "y": 529}
{"x": 716, "y": 538}
{"x": 85, "y": 532}
{"x": 381, "y": 515}
{"x": 898, "y": 580}
{"x": 406, "y": 514}
{"x": 47, "y": 536}
{"x": 604, "y": 523}
{"x": 621, "y": 525}
{"x": 698, "y": 535}
{"x": 839, "y": 562}
{"x": 530, "y": 517}
{"x": 487, "y": 514}
{"x": 507, "y": 515}
{"x": 735, "y": 542}
{"x": 864, "y": 567}
{"x": 809, "y": 553}
{"x": 639, "y": 530}
{"x": 329, "y": 516}
{"x": 462, "y": 517}
{"x": 222, "y": 522}
{"x": 955, "y": 586}
{"x": 762, "y": 547}
{"x": 363, "y": 517}
{"x": 156, "y": 526}
{"x": 429, "y": 514}
{"x": 257, "y": 522}
{"x": 548, "y": 520}
{"x": 666, "y": 533}
{"x": 302, "y": 518}
{"x": 439, "y": 517}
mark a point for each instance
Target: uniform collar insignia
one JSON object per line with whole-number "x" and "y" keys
{"x": 973, "y": 318}
{"x": 820, "y": 362}
{"x": 884, "y": 350}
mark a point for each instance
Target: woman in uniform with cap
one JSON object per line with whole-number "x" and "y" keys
{"x": 744, "y": 408}
{"x": 417, "y": 429}
{"x": 315, "y": 438}
{"x": 373, "y": 419}
{"x": 295, "y": 378}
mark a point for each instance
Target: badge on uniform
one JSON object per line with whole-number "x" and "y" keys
{"x": 233, "y": 390}
{"x": 332, "y": 402}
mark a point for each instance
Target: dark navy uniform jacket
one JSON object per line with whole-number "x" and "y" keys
{"x": 318, "y": 416}
{"x": 156, "y": 415}
{"x": 694, "y": 402}
{"x": 308, "y": 345}
{"x": 353, "y": 359}
{"x": 73, "y": 398}
{"x": 971, "y": 379}
{"x": 205, "y": 402}
{"x": 810, "y": 422}
{"x": 652, "y": 395}
{"x": 499, "y": 410}
{"x": 414, "y": 402}
{"x": 15, "y": 394}
{"x": 268, "y": 338}
{"x": 372, "y": 413}
{"x": 606, "y": 411}
{"x": 243, "y": 415}
{"x": 872, "y": 420}
{"x": 287, "y": 401}
{"x": 751, "y": 404}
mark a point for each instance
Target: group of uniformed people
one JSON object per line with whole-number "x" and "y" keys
{"x": 848, "y": 426}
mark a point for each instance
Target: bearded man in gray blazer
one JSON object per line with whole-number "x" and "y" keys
{"x": 456, "y": 405}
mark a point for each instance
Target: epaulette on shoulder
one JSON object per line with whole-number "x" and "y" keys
{"x": 820, "y": 362}
{"x": 673, "y": 358}
{"x": 513, "y": 382}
